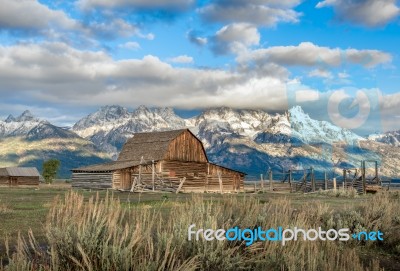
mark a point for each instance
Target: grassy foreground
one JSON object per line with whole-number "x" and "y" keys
{"x": 89, "y": 231}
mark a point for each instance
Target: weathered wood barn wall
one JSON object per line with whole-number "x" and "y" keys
{"x": 16, "y": 176}
{"x": 159, "y": 160}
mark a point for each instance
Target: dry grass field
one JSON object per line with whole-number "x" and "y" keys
{"x": 56, "y": 228}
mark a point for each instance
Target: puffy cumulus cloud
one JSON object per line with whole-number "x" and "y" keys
{"x": 130, "y": 45}
{"x": 59, "y": 74}
{"x": 148, "y": 36}
{"x": 267, "y": 93}
{"x": 370, "y": 13}
{"x": 390, "y": 111}
{"x": 167, "y": 5}
{"x": 320, "y": 73}
{"x": 309, "y": 54}
{"x": 32, "y": 16}
{"x": 259, "y": 12}
{"x": 234, "y": 38}
{"x": 343, "y": 75}
{"x": 112, "y": 28}
{"x": 57, "y": 25}
{"x": 195, "y": 38}
{"x": 182, "y": 59}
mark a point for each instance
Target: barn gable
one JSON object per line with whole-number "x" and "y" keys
{"x": 171, "y": 145}
{"x": 186, "y": 147}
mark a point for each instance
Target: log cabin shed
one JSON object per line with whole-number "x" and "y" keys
{"x": 168, "y": 160}
{"x": 19, "y": 176}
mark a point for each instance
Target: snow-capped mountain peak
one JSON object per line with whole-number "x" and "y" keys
{"x": 19, "y": 126}
{"x": 391, "y": 138}
{"x": 111, "y": 130}
{"x": 26, "y": 116}
{"x": 10, "y": 118}
{"x": 28, "y": 126}
{"x": 309, "y": 130}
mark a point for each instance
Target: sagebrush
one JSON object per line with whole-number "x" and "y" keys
{"x": 102, "y": 234}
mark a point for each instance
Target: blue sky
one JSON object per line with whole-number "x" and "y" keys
{"x": 338, "y": 59}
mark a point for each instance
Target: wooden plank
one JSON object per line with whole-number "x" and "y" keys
{"x": 180, "y": 185}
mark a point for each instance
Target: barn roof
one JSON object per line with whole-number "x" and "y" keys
{"x": 3, "y": 172}
{"x": 19, "y": 172}
{"x": 111, "y": 166}
{"x": 229, "y": 169}
{"x": 150, "y": 146}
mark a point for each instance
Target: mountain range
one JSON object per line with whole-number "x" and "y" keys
{"x": 27, "y": 141}
{"x": 251, "y": 141}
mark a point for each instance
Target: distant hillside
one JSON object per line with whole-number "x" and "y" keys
{"x": 19, "y": 151}
{"x": 27, "y": 141}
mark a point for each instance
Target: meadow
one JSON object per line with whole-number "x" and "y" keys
{"x": 56, "y": 228}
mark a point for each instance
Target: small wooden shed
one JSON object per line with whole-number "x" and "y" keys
{"x": 161, "y": 160}
{"x": 19, "y": 176}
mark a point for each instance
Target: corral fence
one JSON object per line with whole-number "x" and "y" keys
{"x": 308, "y": 180}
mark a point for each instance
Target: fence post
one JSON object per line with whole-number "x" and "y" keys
{"x": 270, "y": 181}
{"x": 152, "y": 174}
{"x": 344, "y": 178}
{"x": 312, "y": 179}
{"x": 334, "y": 184}
{"x": 262, "y": 183}
{"x": 326, "y": 181}
{"x": 363, "y": 177}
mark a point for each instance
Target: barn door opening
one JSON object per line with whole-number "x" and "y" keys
{"x": 126, "y": 180}
{"x": 13, "y": 181}
{"x": 236, "y": 182}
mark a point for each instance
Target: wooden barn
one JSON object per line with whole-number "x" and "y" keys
{"x": 19, "y": 176}
{"x": 168, "y": 161}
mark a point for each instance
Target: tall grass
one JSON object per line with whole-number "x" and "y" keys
{"x": 340, "y": 192}
{"x": 100, "y": 234}
{"x": 5, "y": 209}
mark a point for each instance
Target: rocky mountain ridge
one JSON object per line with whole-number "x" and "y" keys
{"x": 252, "y": 141}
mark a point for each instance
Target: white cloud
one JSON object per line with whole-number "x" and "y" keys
{"x": 343, "y": 75}
{"x": 149, "y": 36}
{"x": 113, "y": 28}
{"x": 234, "y": 38}
{"x": 57, "y": 73}
{"x": 259, "y": 12}
{"x": 130, "y": 45}
{"x": 183, "y": 59}
{"x": 307, "y": 95}
{"x": 31, "y": 15}
{"x": 33, "y": 18}
{"x": 320, "y": 73}
{"x": 136, "y": 4}
{"x": 369, "y": 13}
{"x": 194, "y": 37}
{"x": 390, "y": 111}
{"x": 309, "y": 54}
